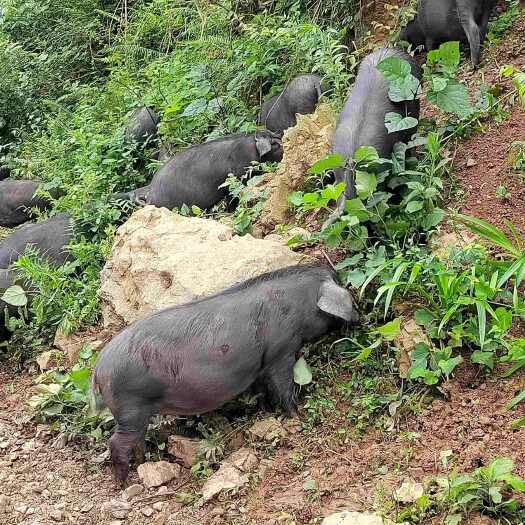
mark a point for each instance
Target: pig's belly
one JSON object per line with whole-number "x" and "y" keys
{"x": 198, "y": 397}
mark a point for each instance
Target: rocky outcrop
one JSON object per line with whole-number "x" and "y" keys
{"x": 161, "y": 259}
{"x": 304, "y": 144}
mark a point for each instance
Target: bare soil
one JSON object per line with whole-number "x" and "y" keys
{"x": 44, "y": 481}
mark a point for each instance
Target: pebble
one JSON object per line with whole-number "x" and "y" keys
{"x": 159, "y": 506}
{"x": 21, "y": 508}
{"x": 132, "y": 491}
{"x": 217, "y": 511}
{"x": 56, "y": 515}
{"x": 87, "y": 507}
{"x": 117, "y": 509}
{"x": 147, "y": 511}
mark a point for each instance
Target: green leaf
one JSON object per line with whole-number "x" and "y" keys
{"x": 481, "y": 308}
{"x": 356, "y": 278}
{"x": 396, "y": 122}
{"x": 518, "y": 423}
{"x": 81, "y": 378}
{"x": 195, "y": 108}
{"x": 398, "y": 73}
{"x": 515, "y": 482}
{"x": 86, "y": 352}
{"x": 432, "y": 219}
{"x": 414, "y": 206}
{"x": 15, "y": 296}
{"x": 500, "y": 467}
{"x": 366, "y": 183}
{"x": 328, "y": 163}
{"x": 423, "y": 317}
{"x": 518, "y": 399}
{"x": 483, "y": 358}
{"x": 366, "y": 154}
{"x": 390, "y": 330}
{"x": 448, "y": 366}
{"x": 446, "y": 57}
{"x": 356, "y": 208}
{"x": 296, "y": 198}
{"x": 453, "y": 99}
{"x": 302, "y": 375}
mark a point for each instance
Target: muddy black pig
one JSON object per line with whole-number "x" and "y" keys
{"x": 193, "y": 358}
{"x": 193, "y": 175}
{"x": 362, "y": 120}
{"x": 17, "y": 197}
{"x": 49, "y": 237}
{"x": 450, "y": 20}
{"x": 300, "y": 96}
{"x": 142, "y": 125}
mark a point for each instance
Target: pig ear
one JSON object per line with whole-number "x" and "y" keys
{"x": 263, "y": 145}
{"x": 336, "y": 301}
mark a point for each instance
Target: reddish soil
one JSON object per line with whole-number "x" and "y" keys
{"x": 359, "y": 474}
{"x": 482, "y": 162}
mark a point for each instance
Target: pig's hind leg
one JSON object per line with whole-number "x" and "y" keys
{"x": 129, "y": 437}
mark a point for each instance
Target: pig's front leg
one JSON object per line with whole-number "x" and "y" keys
{"x": 281, "y": 385}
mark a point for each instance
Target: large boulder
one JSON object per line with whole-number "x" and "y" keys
{"x": 162, "y": 259}
{"x": 303, "y": 145}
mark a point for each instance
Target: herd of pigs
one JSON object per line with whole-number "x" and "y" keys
{"x": 193, "y": 358}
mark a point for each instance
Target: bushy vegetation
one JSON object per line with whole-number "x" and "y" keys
{"x": 71, "y": 74}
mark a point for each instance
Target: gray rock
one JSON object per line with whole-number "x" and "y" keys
{"x": 162, "y": 259}
{"x": 154, "y": 474}
{"x": 132, "y": 491}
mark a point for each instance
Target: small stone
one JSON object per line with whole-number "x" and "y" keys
{"x": 244, "y": 459}
{"x": 21, "y": 509}
{"x": 87, "y": 507}
{"x": 154, "y": 474}
{"x": 30, "y": 511}
{"x": 132, "y": 491}
{"x": 226, "y": 478}
{"x": 147, "y": 511}
{"x": 269, "y": 429}
{"x": 45, "y": 361}
{"x": 471, "y": 163}
{"x": 184, "y": 448}
{"x": 162, "y": 490}
{"x": 56, "y": 515}
{"x": 159, "y": 506}
{"x": 409, "y": 492}
{"x": 116, "y": 522}
{"x": 117, "y": 509}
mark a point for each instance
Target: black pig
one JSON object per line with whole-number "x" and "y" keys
{"x": 193, "y": 358}
{"x": 142, "y": 125}
{"x": 5, "y": 172}
{"x": 193, "y": 175}
{"x": 49, "y": 237}
{"x": 17, "y": 197}
{"x": 362, "y": 120}
{"x": 441, "y": 21}
{"x": 138, "y": 196}
{"x": 300, "y": 96}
